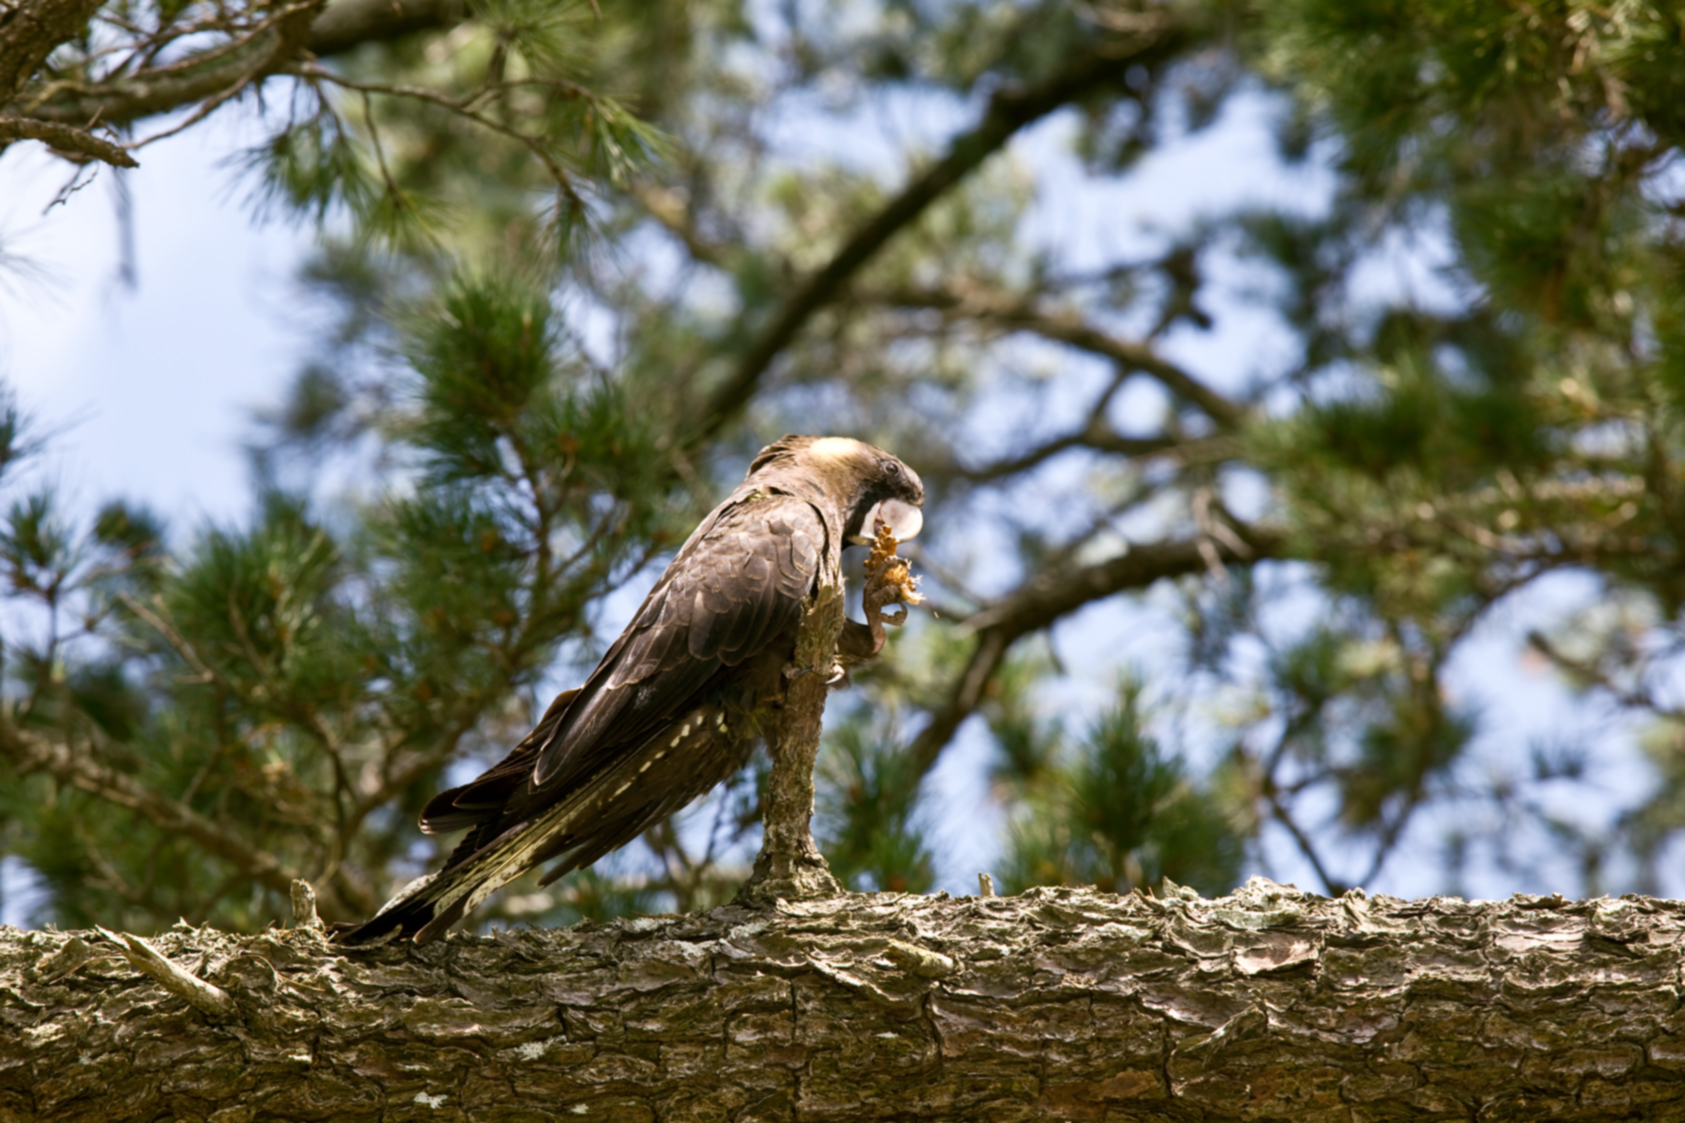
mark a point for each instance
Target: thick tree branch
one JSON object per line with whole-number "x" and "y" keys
{"x": 211, "y": 76}
{"x": 1057, "y": 1004}
{"x": 215, "y": 75}
{"x": 1050, "y": 596}
{"x": 30, "y": 753}
{"x": 1009, "y": 111}
{"x": 31, "y": 30}
{"x": 66, "y": 139}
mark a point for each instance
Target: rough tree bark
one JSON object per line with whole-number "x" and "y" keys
{"x": 1057, "y": 1004}
{"x": 790, "y": 866}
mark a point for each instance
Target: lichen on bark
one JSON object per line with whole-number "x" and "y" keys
{"x": 1056, "y": 1004}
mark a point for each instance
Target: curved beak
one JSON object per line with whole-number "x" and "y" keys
{"x": 903, "y": 519}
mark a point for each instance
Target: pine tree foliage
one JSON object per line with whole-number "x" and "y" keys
{"x": 293, "y": 688}
{"x": 1120, "y": 814}
{"x": 1292, "y": 552}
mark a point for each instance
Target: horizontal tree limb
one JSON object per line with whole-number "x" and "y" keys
{"x": 306, "y": 28}
{"x": 1057, "y": 1004}
{"x": 30, "y": 753}
{"x": 1010, "y": 312}
{"x": 226, "y": 71}
{"x": 1055, "y": 594}
{"x": 65, "y": 139}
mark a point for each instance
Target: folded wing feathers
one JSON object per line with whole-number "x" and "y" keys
{"x": 737, "y": 584}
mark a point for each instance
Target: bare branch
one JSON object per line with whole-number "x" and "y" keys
{"x": 65, "y": 139}
{"x": 1009, "y": 111}
{"x": 1011, "y": 312}
{"x": 32, "y": 753}
{"x": 1047, "y": 598}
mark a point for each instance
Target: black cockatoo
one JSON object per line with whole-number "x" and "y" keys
{"x": 677, "y": 703}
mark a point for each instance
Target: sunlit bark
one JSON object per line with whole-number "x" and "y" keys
{"x": 1058, "y": 1004}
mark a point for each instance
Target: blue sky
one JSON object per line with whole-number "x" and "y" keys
{"x": 145, "y": 390}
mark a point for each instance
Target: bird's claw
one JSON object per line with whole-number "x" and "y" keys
{"x": 793, "y": 672}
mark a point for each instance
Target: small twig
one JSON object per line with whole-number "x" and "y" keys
{"x": 205, "y": 109}
{"x": 70, "y": 187}
{"x": 534, "y": 145}
{"x": 175, "y": 638}
{"x": 393, "y": 192}
{"x": 304, "y": 906}
{"x": 209, "y": 999}
{"x": 1635, "y": 697}
{"x": 1279, "y": 812}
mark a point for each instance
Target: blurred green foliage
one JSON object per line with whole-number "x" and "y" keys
{"x": 1121, "y": 814}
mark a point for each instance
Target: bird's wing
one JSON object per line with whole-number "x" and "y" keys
{"x": 485, "y": 796}
{"x": 728, "y": 593}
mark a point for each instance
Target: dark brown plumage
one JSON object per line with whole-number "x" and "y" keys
{"x": 677, "y": 703}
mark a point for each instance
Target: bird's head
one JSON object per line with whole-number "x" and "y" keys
{"x": 867, "y": 484}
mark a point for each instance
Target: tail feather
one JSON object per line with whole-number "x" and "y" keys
{"x": 483, "y": 799}
{"x": 425, "y": 909}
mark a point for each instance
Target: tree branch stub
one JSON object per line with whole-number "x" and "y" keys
{"x": 208, "y": 998}
{"x": 789, "y": 866}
